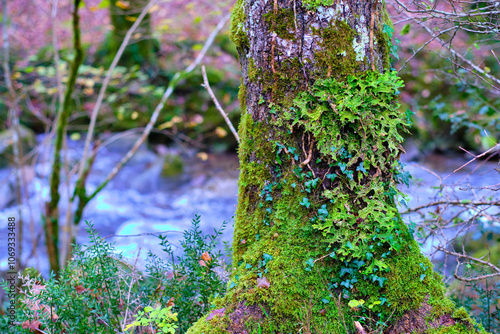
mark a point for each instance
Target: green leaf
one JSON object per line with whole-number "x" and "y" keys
{"x": 405, "y": 30}
{"x": 148, "y": 309}
{"x": 104, "y": 4}
{"x": 355, "y": 303}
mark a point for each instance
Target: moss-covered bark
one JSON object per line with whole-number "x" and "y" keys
{"x": 319, "y": 245}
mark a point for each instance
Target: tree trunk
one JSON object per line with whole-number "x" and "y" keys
{"x": 319, "y": 245}
{"x": 141, "y": 50}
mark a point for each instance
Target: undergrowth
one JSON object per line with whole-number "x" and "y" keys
{"x": 100, "y": 292}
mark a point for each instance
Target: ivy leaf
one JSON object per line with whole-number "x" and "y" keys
{"x": 305, "y": 202}
{"x": 361, "y": 168}
{"x": 267, "y": 257}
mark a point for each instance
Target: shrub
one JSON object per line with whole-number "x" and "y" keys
{"x": 99, "y": 292}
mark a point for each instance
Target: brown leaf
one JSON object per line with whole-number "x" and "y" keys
{"x": 263, "y": 283}
{"x": 171, "y": 302}
{"x": 32, "y": 325}
{"x": 80, "y": 288}
{"x": 205, "y": 256}
{"x": 322, "y": 312}
{"x": 202, "y": 263}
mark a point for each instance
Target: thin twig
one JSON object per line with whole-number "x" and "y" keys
{"x": 170, "y": 89}
{"x": 14, "y": 120}
{"x": 214, "y": 99}
{"x": 102, "y": 91}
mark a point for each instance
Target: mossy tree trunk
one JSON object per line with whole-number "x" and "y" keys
{"x": 141, "y": 49}
{"x": 319, "y": 245}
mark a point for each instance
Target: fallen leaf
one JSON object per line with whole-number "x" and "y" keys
{"x": 219, "y": 312}
{"x": 263, "y": 283}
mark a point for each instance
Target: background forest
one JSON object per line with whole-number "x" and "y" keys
{"x": 114, "y": 141}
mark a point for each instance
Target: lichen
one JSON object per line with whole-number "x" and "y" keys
{"x": 359, "y": 44}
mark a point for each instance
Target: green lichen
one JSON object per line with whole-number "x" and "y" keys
{"x": 237, "y": 31}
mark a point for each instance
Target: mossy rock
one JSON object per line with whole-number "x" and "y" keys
{"x": 173, "y": 165}
{"x": 26, "y": 137}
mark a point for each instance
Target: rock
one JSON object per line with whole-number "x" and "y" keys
{"x": 173, "y": 165}
{"x": 27, "y": 138}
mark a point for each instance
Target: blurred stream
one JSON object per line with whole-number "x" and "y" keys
{"x": 139, "y": 200}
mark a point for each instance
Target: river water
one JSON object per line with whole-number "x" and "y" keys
{"x": 139, "y": 200}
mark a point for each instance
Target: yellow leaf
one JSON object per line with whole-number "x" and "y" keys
{"x": 220, "y": 132}
{"x": 134, "y": 115}
{"x": 123, "y": 4}
{"x": 202, "y": 155}
{"x": 131, "y": 18}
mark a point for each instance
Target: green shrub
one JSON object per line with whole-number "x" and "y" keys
{"x": 99, "y": 292}
{"x": 191, "y": 280}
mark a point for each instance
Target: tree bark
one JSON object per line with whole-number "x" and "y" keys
{"x": 319, "y": 245}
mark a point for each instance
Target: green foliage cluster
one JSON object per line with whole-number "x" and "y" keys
{"x": 131, "y": 97}
{"x": 482, "y": 299}
{"x": 192, "y": 284}
{"x": 161, "y": 319}
{"x": 98, "y": 288}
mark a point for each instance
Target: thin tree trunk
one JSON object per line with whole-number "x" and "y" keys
{"x": 142, "y": 48}
{"x": 51, "y": 207}
{"x": 319, "y": 245}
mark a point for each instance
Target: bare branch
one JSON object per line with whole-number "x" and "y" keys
{"x": 173, "y": 83}
{"x": 222, "y": 112}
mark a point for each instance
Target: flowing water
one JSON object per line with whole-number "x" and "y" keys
{"x": 140, "y": 200}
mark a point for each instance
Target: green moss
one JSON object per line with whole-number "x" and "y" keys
{"x": 337, "y": 57}
{"x": 242, "y": 95}
{"x": 282, "y": 23}
{"x": 252, "y": 70}
{"x": 412, "y": 281}
{"x": 313, "y": 4}
{"x": 458, "y": 328}
{"x": 172, "y": 165}
{"x": 237, "y": 30}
